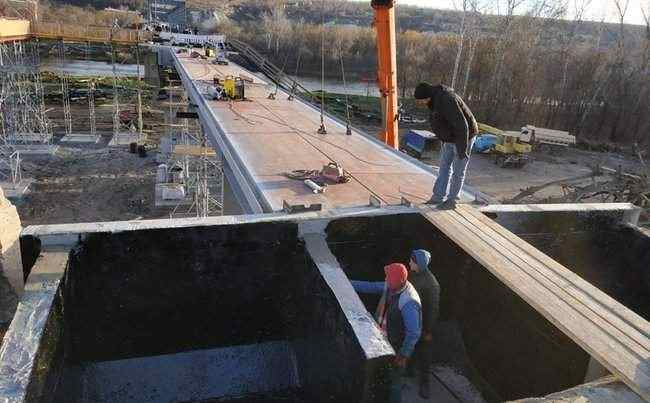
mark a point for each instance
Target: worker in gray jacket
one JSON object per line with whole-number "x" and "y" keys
{"x": 428, "y": 289}
{"x": 454, "y": 124}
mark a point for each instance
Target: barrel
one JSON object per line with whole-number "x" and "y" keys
{"x": 142, "y": 151}
{"x": 133, "y": 147}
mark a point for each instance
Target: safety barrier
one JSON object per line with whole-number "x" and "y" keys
{"x": 23, "y": 29}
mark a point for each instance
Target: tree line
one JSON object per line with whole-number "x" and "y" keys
{"x": 531, "y": 66}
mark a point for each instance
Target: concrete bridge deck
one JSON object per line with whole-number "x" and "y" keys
{"x": 266, "y": 138}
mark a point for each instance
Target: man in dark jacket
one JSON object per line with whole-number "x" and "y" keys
{"x": 428, "y": 289}
{"x": 454, "y": 124}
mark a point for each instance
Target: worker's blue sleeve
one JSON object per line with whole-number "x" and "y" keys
{"x": 412, "y": 317}
{"x": 368, "y": 287}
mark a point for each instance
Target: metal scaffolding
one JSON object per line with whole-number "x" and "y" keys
{"x": 208, "y": 192}
{"x": 204, "y": 178}
{"x": 65, "y": 91}
{"x": 10, "y": 170}
{"x": 139, "y": 94}
{"x": 92, "y": 121}
{"x": 22, "y": 105}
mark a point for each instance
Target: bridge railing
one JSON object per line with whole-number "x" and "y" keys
{"x": 276, "y": 74}
{"x": 56, "y": 30}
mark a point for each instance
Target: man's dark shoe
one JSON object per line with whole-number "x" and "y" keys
{"x": 433, "y": 201}
{"x": 447, "y": 205}
{"x": 425, "y": 393}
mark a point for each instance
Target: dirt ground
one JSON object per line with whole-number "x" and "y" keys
{"x": 503, "y": 184}
{"x": 83, "y": 183}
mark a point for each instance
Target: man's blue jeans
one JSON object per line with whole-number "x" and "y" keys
{"x": 451, "y": 174}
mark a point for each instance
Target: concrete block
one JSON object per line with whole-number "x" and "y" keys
{"x": 170, "y": 195}
{"x": 16, "y": 190}
{"x": 11, "y": 267}
{"x": 173, "y": 192}
{"x": 81, "y": 138}
{"x": 604, "y": 390}
{"x": 123, "y": 139}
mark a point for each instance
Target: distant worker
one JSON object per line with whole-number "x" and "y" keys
{"x": 399, "y": 316}
{"x": 454, "y": 124}
{"x": 428, "y": 289}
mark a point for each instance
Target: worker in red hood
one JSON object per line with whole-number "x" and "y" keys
{"x": 399, "y": 316}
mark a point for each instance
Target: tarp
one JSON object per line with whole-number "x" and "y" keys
{"x": 484, "y": 142}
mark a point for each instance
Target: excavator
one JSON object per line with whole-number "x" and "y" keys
{"x": 384, "y": 24}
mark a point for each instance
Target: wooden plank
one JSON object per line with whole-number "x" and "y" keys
{"x": 197, "y": 151}
{"x": 569, "y": 280}
{"x": 618, "y": 328}
{"x": 587, "y": 334}
{"x": 630, "y": 365}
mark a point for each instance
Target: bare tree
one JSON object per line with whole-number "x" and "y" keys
{"x": 276, "y": 25}
{"x": 619, "y": 66}
{"x": 504, "y": 28}
{"x": 461, "y": 42}
{"x": 473, "y": 37}
{"x": 568, "y": 40}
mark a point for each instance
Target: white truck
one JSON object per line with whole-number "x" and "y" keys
{"x": 539, "y": 135}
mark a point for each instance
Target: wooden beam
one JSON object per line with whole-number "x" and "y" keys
{"x": 608, "y": 331}
{"x": 197, "y": 151}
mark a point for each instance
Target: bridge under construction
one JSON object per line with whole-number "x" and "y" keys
{"x": 257, "y": 304}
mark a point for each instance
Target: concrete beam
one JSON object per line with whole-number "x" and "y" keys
{"x": 23, "y": 342}
{"x": 372, "y": 341}
{"x": 604, "y": 390}
{"x": 240, "y": 179}
{"x": 69, "y": 234}
{"x": 629, "y": 210}
{"x": 375, "y": 348}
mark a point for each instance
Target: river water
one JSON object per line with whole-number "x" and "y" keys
{"x": 336, "y": 86}
{"x": 86, "y": 68}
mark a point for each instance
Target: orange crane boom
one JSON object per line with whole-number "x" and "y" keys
{"x": 387, "y": 69}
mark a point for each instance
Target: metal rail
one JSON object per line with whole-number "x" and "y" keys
{"x": 273, "y": 72}
{"x": 79, "y": 33}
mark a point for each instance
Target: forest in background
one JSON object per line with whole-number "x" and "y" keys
{"x": 525, "y": 65}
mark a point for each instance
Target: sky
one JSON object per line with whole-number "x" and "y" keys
{"x": 596, "y": 10}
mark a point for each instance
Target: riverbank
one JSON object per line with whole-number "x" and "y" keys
{"x": 365, "y": 111}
